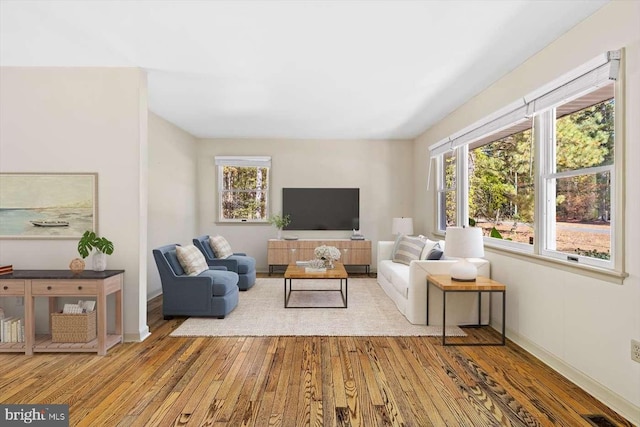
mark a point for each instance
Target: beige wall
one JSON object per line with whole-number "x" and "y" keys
{"x": 381, "y": 169}
{"x": 579, "y": 325}
{"x": 172, "y": 191}
{"x": 82, "y": 120}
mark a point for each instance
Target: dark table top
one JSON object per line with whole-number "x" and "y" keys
{"x": 60, "y": 274}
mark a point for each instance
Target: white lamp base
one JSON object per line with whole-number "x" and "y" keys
{"x": 464, "y": 271}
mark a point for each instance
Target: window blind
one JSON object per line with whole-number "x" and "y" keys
{"x": 591, "y": 75}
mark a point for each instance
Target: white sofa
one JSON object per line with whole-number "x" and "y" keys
{"x": 406, "y": 285}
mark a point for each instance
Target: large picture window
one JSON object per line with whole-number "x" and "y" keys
{"x": 243, "y": 188}
{"x": 540, "y": 175}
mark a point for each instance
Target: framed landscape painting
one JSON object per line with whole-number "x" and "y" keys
{"x": 48, "y": 205}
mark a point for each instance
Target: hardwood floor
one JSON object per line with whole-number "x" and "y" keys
{"x": 295, "y": 381}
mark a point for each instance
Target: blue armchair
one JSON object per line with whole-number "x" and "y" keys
{"x": 239, "y": 262}
{"x": 213, "y": 292}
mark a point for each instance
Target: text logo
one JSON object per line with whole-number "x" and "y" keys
{"x": 36, "y": 415}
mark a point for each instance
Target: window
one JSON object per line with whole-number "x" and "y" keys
{"x": 579, "y": 180}
{"x": 501, "y": 180}
{"x": 243, "y": 188}
{"x": 447, "y": 190}
{"x": 540, "y": 175}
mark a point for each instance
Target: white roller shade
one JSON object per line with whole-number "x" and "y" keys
{"x": 247, "y": 161}
{"x": 573, "y": 89}
{"x": 440, "y": 147}
{"x": 588, "y": 77}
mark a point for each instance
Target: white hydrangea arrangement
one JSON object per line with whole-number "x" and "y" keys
{"x": 325, "y": 252}
{"x": 316, "y": 263}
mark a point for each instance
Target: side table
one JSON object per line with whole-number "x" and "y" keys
{"x": 480, "y": 285}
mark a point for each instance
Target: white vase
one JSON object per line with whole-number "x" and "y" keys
{"x": 279, "y": 234}
{"x": 99, "y": 261}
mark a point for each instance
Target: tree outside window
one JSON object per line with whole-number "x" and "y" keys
{"x": 584, "y": 146}
{"x": 545, "y": 165}
{"x": 501, "y": 185}
{"x": 243, "y": 190}
{"x": 447, "y": 191}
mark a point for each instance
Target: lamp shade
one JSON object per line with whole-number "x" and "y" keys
{"x": 402, "y": 226}
{"x": 463, "y": 242}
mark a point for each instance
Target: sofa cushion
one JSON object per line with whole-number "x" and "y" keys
{"x": 224, "y": 282}
{"x": 221, "y": 248}
{"x": 409, "y": 249}
{"x": 395, "y": 245}
{"x": 206, "y": 247}
{"x": 435, "y": 253}
{"x": 428, "y": 245}
{"x": 397, "y": 275}
{"x": 172, "y": 258}
{"x": 191, "y": 260}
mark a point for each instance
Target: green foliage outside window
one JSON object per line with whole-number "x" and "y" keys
{"x": 501, "y": 177}
{"x": 244, "y": 192}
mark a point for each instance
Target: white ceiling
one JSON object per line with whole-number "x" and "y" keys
{"x": 294, "y": 69}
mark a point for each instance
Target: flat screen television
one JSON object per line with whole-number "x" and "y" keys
{"x": 322, "y": 208}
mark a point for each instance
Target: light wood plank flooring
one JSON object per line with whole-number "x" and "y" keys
{"x": 298, "y": 381}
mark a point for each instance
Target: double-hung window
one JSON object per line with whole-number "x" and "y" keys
{"x": 578, "y": 176}
{"x": 540, "y": 175}
{"x": 243, "y": 188}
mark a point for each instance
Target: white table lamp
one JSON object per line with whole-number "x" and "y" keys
{"x": 402, "y": 226}
{"x": 463, "y": 243}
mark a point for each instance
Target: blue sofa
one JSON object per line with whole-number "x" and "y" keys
{"x": 239, "y": 263}
{"x": 212, "y": 293}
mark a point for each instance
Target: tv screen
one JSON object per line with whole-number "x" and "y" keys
{"x": 322, "y": 208}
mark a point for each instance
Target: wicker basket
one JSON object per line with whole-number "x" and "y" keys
{"x": 73, "y": 327}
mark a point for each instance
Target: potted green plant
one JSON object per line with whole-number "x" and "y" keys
{"x": 280, "y": 222}
{"x": 102, "y": 245}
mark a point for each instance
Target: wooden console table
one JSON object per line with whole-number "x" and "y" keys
{"x": 63, "y": 283}
{"x": 286, "y": 252}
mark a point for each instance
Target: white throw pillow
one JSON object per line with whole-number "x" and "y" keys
{"x": 191, "y": 260}
{"x": 221, "y": 248}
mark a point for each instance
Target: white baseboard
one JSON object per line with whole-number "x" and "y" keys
{"x": 138, "y": 337}
{"x": 613, "y": 400}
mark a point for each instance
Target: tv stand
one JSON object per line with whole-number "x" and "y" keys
{"x": 285, "y": 252}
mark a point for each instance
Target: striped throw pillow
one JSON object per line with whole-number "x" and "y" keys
{"x": 191, "y": 260}
{"x": 221, "y": 248}
{"x": 408, "y": 249}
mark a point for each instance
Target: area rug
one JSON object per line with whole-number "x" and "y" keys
{"x": 261, "y": 312}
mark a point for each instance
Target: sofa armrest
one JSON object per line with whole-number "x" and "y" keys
{"x": 229, "y": 264}
{"x": 188, "y": 292}
{"x": 240, "y": 253}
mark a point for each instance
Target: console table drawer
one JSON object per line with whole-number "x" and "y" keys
{"x": 11, "y": 287}
{"x": 45, "y": 287}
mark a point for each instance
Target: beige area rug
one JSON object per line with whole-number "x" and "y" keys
{"x": 261, "y": 312}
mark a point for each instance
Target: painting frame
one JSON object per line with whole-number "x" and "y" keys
{"x": 55, "y": 205}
